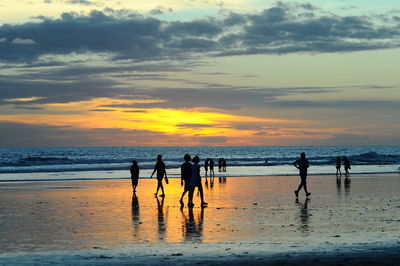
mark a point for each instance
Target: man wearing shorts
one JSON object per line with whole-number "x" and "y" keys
{"x": 302, "y": 164}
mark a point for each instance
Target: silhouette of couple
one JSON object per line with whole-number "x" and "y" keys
{"x": 161, "y": 173}
{"x": 190, "y": 179}
{"x": 346, "y": 163}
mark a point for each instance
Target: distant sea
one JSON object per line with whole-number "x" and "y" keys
{"x": 80, "y": 163}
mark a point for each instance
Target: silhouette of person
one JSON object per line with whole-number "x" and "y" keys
{"x": 195, "y": 181}
{"x": 212, "y": 167}
{"x": 186, "y": 174}
{"x": 338, "y": 165}
{"x": 206, "y": 165}
{"x": 223, "y": 164}
{"x": 160, "y": 169}
{"x": 134, "y": 175}
{"x": 302, "y": 164}
{"x": 219, "y": 164}
{"x": 347, "y": 166}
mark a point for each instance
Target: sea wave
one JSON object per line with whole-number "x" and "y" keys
{"x": 31, "y": 160}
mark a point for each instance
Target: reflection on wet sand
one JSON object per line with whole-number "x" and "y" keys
{"x": 192, "y": 228}
{"x": 258, "y": 210}
{"x": 304, "y": 216}
{"x": 135, "y": 215}
{"x": 210, "y": 185}
{"x": 161, "y": 219}
{"x": 338, "y": 185}
{"x": 222, "y": 179}
{"x": 347, "y": 182}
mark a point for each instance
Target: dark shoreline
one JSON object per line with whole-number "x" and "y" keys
{"x": 215, "y": 254}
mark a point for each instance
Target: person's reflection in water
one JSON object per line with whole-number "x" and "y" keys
{"x": 347, "y": 182}
{"x": 222, "y": 179}
{"x": 135, "y": 215}
{"x": 211, "y": 182}
{"x": 304, "y": 215}
{"x": 339, "y": 186}
{"x": 193, "y": 228}
{"x": 161, "y": 220}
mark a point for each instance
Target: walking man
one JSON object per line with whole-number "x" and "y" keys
{"x": 302, "y": 164}
{"x": 186, "y": 174}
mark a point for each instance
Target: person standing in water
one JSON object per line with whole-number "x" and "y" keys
{"x": 160, "y": 169}
{"x": 338, "y": 165}
{"x": 186, "y": 174}
{"x": 134, "y": 175}
{"x": 302, "y": 164}
{"x": 195, "y": 181}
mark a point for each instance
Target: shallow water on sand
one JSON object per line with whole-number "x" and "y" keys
{"x": 103, "y": 214}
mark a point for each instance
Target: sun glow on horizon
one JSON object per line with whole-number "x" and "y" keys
{"x": 106, "y": 113}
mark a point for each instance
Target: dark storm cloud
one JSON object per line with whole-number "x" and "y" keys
{"x": 280, "y": 29}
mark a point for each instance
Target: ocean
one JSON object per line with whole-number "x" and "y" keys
{"x": 80, "y": 163}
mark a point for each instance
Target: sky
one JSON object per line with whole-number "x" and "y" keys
{"x": 199, "y": 72}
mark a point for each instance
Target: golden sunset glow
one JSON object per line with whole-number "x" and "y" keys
{"x": 238, "y": 72}
{"x": 196, "y": 122}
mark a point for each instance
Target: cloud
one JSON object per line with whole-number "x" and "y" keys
{"x": 135, "y": 111}
{"x": 187, "y": 125}
{"x": 23, "y": 41}
{"x": 277, "y": 30}
{"x": 40, "y": 135}
{"x": 359, "y": 139}
{"x": 101, "y": 110}
{"x": 81, "y": 2}
{"x": 160, "y": 10}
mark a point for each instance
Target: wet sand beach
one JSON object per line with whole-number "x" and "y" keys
{"x": 249, "y": 220}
